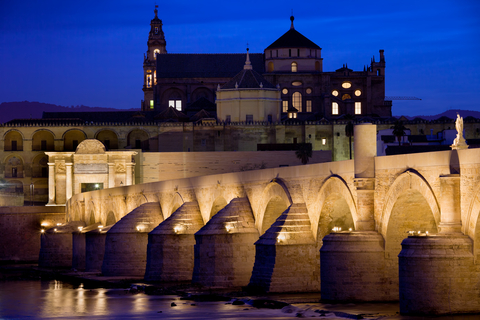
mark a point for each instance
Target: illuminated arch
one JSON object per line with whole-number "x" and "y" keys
{"x": 409, "y": 179}
{"x": 275, "y": 189}
{"x": 332, "y": 184}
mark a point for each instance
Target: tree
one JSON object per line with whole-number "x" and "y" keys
{"x": 349, "y": 134}
{"x": 398, "y": 130}
{"x": 304, "y": 152}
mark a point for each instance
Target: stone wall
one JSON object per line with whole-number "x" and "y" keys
{"x": 21, "y": 229}
{"x": 161, "y": 166}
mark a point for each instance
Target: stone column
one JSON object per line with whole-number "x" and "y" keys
{"x": 51, "y": 184}
{"x": 68, "y": 180}
{"x": 129, "y": 174}
{"x": 111, "y": 175}
{"x": 365, "y": 204}
{"x": 365, "y": 148}
{"x": 450, "y": 218}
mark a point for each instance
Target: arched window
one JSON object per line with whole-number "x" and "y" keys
{"x": 297, "y": 101}
{"x": 334, "y": 108}
{"x": 294, "y": 67}
{"x": 270, "y": 66}
{"x": 155, "y": 52}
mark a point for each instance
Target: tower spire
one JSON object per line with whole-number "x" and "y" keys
{"x": 248, "y": 64}
{"x": 291, "y": 19}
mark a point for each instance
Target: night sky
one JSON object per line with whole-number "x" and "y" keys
{"x": 91, "y": 52}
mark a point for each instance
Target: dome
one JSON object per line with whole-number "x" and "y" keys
{"x": 293, "y": 39}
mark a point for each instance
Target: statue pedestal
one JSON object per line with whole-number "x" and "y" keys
{"x": 459, "y": 143}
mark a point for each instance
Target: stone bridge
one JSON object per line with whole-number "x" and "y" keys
{"x": 387, "y": 228}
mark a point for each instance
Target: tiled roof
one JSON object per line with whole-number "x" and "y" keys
{"x": 219, "y": 65}
{"x": 293, "y": 39}
{"x": 248, "y": 79}
{"x": 202, "y": 104}
{"x": 171, "y": 114}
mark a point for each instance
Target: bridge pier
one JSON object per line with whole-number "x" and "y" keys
{"x": 286, "y": 257}
{"x": 224, "y": 249}
{"x": 352, "y": 267}
{"x": 126, "y": 241}
{"x": 170, "y": 250}
{"x": 95, "y": 248}
{"x": 438, "y": 275}
{"x": 78, "y": 246}
{"x": 56, "y": 246}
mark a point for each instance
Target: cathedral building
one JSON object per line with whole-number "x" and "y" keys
{"x": 293, "y": 63}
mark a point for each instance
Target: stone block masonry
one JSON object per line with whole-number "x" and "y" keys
{"x": 224, "y": 249}
{"x": 170, "y": 251}
{"x": 126, "y": 242}
{"x": 21, "y": 230}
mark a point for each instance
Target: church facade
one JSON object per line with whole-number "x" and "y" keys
{"x": 293, "y": 63}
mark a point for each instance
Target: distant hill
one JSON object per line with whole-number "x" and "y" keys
{"x": 452, "y": 114}
{"x": 34, "y": 110}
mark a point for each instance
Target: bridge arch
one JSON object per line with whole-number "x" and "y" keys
{"x": 410, "y": 206}
{"x": 218, "y": 204}
{"x": 111, "y": 219}
{"x": 334, "y": 207}
{"x": 407, "y": 180}
{"x": 274, "y": 201}
{"x": 471, "y": 227}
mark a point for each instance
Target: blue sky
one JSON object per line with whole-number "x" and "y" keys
{"x": 91, "y": 52}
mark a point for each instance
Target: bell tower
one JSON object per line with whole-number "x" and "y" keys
{"x": 156, "y": 45}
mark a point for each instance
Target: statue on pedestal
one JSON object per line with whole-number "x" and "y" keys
{"x": 459, "y": 142}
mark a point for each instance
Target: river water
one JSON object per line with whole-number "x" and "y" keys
{"x": 52, "y": 299}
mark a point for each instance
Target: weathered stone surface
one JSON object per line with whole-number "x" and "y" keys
{"x": 126, "y": 242}
{"x": 224, "y": 249}
{"x": 170, "y": 250}
{"x": 286, "y": 255}
{"x": 95, "y": 248}
{"x": 79, "y": 248}
{"x": 438, "y": 275}
{"x": 56, "y": 246}
{"x": 21, "y": 231}
{"x": 352, "y": 267}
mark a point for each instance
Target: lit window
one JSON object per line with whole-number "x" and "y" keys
{"x": 309, "y": 90}
{"x": 296, "y": 83}
{"x": 346, "y": 85}
{"x": 151, "y": 104}
{"x": 297, "y": 101}
{"x": 309, "y": 105}
{"x": 155, "y": 77}
{"x": 358, "y": 108}
{"x": 346, "y": 96}
{"x": 358, "y": 93}
{"x": 324, "y": 141}
{"x": 177, "y": 104}
{"x": 155, "y": 52}
{"x": 285, "y": 91}
{"x": 285, "y": 105}
{"x": 149, "y": 80}
{"x": 294, "y": 67}
{"x": 334, "y": 108}
{"x": 335, "y": 93}
{"x": 270, "y": 66}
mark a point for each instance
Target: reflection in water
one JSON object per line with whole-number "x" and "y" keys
{"x": 55, "y": 299}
